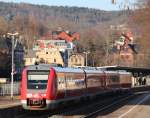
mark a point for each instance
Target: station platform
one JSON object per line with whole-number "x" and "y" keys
{"x": 7, "y": 102}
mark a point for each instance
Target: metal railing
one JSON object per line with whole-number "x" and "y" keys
{"x": 5, "y": 89}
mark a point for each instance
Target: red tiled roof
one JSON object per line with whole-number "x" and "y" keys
{"x": 61, "y": 35}
{"x": 41, "y": 44}
{"x": 67, "y": 37}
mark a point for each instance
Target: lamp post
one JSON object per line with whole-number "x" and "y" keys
{"x": 86, "y": 53}
{"x": 12, "y": 59}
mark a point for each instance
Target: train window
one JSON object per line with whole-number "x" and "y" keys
{"x": 37, "y": 79}
{"x": 71, "y": 81}
{"x": 75, "y": 80}
{"x": 114, "y": 78}
{"x": 94, "y": 80}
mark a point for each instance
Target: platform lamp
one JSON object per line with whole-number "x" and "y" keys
{"x": 14, "y": 43}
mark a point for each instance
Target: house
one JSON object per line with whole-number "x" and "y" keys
{"x": 58, "y": 43}
{"x": 124, "y": 50}
{"x": 30, "y": 58}
{"x": 47, "y": 56}
{"x": 124, "y": 58}
{"x": 76, "y": 60}
{"x": 50, "y": 56}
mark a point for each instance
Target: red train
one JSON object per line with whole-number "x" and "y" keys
{"x": 45, "y": 87}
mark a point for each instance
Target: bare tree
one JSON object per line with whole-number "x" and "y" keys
{"x": 141, "y": 20}
{"x": 3, "y": 26}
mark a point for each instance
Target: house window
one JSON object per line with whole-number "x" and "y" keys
{"x": 71, "y": 59}
{"x": 76, "y": 60}
{"x": 54, "y": 60}
{"x": 50, "y": 52}
{"x": 79, "y": 59}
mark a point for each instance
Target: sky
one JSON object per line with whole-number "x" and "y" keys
{"x": 97, "y": 4}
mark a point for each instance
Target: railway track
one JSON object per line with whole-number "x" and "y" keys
{"x": 100, "y": 107}
{"x": 90, "y": 108}
{"x": 112, "y": 106}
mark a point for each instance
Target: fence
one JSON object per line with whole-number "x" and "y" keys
{"x": 5, "y": 89}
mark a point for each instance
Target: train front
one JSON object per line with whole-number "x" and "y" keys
{"x": 34, "y": 87}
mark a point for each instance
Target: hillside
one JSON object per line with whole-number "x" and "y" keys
{"x": 58, "y": 15}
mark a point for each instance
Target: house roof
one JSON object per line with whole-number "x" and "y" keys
{"x": 68, "y": 37}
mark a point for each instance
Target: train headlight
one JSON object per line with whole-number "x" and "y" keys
{"x": 29, "y": 95}
{"x": 36, "y": 96}
{"x": 44, "y": 95}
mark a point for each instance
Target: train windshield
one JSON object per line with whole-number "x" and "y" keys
{"x": 37, "y": 79}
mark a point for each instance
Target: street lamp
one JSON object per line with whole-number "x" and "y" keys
{"x": 86, "y": 53}
{"x": 14, "y": 42}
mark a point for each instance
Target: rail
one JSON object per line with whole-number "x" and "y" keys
{"x": 5, "y": 89}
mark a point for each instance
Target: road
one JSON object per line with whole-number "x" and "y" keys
{"x": 136, "y": 108}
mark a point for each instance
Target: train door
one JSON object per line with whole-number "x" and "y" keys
{"x": 62, "y": 86}
{"x": 104, "y": 80}
{"x": 109, "y": 81}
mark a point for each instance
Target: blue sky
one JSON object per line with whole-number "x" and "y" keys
{"x": 98, "y": 4}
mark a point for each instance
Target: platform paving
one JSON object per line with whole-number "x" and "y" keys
{"x": 7, "y": 102}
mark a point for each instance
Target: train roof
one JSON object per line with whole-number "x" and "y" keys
{"x": 39, "y": 67}
{"x": 58, "y": 69}
{"x": 68, "y": 69}
{"x": 93, "y": 71}
{"x": 76, "y": 69}
{"x": 63, "y": 69}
